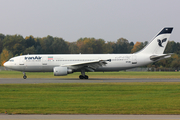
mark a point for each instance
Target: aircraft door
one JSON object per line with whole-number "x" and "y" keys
{"x": 21, "y": 61}
{"x": 134, "y": 60}
{"x": 21, "y": 64}
{"x": 44, "y": 61}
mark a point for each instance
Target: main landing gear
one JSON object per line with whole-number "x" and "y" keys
{"x": 24, "y": 75}
{"x": 83, "y": 76}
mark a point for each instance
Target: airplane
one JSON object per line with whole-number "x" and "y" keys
{"x": 64, "y": 64}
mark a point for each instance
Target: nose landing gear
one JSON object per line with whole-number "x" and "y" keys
{"x": 24, "y": 75}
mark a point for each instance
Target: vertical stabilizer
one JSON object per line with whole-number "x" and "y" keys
{"x": 158, "y": 44}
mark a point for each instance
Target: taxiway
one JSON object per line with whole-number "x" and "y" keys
{"x": 89, "y": 117}
{"x": 76, "y": 80}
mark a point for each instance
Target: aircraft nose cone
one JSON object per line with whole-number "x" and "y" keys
{"x": 5, "y": 64}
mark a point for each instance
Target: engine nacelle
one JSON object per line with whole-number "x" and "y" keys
{"x": 60, "y": 71}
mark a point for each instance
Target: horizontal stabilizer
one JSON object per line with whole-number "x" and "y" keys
{"x": 159, "y": 57}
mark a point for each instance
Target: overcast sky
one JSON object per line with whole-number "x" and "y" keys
{"x": 135, "y": 20}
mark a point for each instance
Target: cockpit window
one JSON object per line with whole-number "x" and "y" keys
{"x": 11, "y": 60}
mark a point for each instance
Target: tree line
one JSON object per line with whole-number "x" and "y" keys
{"x": 14, "y": 45}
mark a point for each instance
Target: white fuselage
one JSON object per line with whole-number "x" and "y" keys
{"x": 46, "y": 63}
{"x": 63, "y": 64}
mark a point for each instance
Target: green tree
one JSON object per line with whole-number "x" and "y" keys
{"x": 2, "y": 36}
{"x": 85, "y": 45}
{"x": 138, "y": 46}
{"x": 91, "y": 46}
{"x": 171, "y": 47}
{"x": 177, "y": 48}
{"x": 59, "y": 46}
{"x": 5, "y": 55}
{"x": 46, "y": 44}
{"x": 131, "y": 44}
{"x": 14, "y": 43}
{"x": 99, "y": 46}
{"x": 122, "y": 46}
{"x": 30, "y": 50}
{"x": 30, "y": 41}
{"x": 175, "y": 63}
{"x": 38, "y": 46}
{"x": 109, "y": 47}
{"x": 73, "y": 48}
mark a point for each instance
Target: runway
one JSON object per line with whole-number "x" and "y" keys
{"x": 76, "y": 80}
{"x": 89, "y": 117}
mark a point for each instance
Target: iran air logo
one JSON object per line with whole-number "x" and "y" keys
{"x": 161, "y": 41}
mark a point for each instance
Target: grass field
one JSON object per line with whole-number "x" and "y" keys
{"x": 99, "y": 98}
{"x": 122, "y": 74}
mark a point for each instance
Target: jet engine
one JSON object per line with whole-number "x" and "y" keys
{"x": 60, "y": 71}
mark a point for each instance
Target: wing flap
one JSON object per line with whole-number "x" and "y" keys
{"x": 89, "y": 65}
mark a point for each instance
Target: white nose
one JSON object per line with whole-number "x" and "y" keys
{"x": 5, "y": 64}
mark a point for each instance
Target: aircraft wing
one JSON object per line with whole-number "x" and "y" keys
{"x": 89, "y": 66}
{"x": 159, "y": 57}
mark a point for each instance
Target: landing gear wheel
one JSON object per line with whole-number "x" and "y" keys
{"x": 24, "y": 76}
{"x": 86, "y": 77}
{"x": 81, "y": 77}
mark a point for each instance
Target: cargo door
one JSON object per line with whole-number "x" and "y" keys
{"x": 134, "y": 60}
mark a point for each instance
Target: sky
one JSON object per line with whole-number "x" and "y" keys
{"x": 134, "y": 20}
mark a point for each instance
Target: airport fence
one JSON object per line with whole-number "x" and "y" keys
{"x": 4, "y": 69}
{"x": 155, "y": 69}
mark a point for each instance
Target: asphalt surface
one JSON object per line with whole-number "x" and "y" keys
{"x": 89, "y": 117}
{"x": 73, "y": 80}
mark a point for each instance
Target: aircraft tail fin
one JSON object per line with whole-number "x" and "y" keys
{"x": 158, "y": 44}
